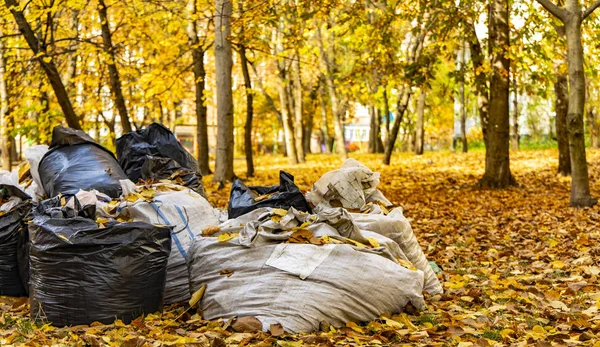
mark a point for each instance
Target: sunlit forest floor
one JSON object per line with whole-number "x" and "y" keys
{"x": 520, "y": 267}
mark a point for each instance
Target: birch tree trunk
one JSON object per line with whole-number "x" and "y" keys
{"x": 223, "y": 66}
{"x": 113, "y": 72}
{"x": 298, "y": 108}
{"x": 5, "y": 142}
{"x": 515, "y": 117}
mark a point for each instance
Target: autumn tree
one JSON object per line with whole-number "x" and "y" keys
{"x": 572, "y": 15}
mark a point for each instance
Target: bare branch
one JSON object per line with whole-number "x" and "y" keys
{"x": 556, "y": 11}
{"x": 590, "y": 9}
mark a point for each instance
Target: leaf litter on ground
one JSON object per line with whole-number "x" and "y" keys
{"x": 519, "y": 266}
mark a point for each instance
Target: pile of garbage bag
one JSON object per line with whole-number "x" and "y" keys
{"x": 349, "y": 259}
{"x": 120, "y": 238}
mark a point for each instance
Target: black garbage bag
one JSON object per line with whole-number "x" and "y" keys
{"x": 75, "y": 162}
{"x": 81, "y": 273}
{"x": 155, "y": 141}
{"x": 13, "y": 231}
{"x": 244, "y": 199}
{"x": 159, "y": 168}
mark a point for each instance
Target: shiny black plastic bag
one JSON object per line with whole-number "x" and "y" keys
{"x": 244, "y": 199}
{"x": 159, "y": 168}
{"x": 13, "y": 238}
{"x": 81, "y": 273}
{"x": 75, "y": 162}
{"x": 156, "y": 141}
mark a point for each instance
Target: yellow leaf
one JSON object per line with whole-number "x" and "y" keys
{"x": 197, "y": 296}
{"x": 356, "y": 243}
{"x": 392, "y": 323}
{"x": 552, "y": 243}
{"x": 407, "y": 264}
{"x": 354, "y": 327}
{"x": 47, "y": 59}
{"x": 131, "y": 197}
{"x": 210, "y": 230}
{"x": 279, "y": 212}
{"x": 227, "y": 237}
{"x": 455, "y": 285}
{"x": 557, "y": 264}
{"x": 374, "y": 243}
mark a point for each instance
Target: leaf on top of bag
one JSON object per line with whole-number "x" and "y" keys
{"x": 301, "y": 236}
{"x": 373, "y": 242}
{"x": 227, "y": 237}
{"x": 210, "y": 230}
{"x": 228, "y": 273}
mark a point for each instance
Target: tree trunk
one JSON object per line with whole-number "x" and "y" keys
{"x": 561, "y": 90}
{"x": 199, "y": 86}
{"x": 580, "y": 187}
{"x": 481, "y": 86}
{"x": 461, "y": 98}
{"x": 372, "y": 130}
{"x": 515, "y": 117}
{"x": 497, "y": 166}
{"x": 113, "y": 72}
{"x": 288, "y": 126}
{"x": 249, "y": 114}
{"x": 386, "y": 112}
{"x": 593, "y": 125}
{"x": 420, "y": 131}
{"x": 308, "y": 126}
{"x": 324, "y": 126}
{"x": 298, "y": 109}
{"x": 223, "y": 66}
{"x": 46, "y": 62}
{"x": 403, "y": 100}
{"x": 379, "y": 143}
{"x": 328, "y": 59}
{"x": 463, "y": 116}
{"x": 272, "y": 106}
{"x": 5, "y": 143}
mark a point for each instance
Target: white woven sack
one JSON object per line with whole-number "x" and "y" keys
{"x": 300, "y": 285}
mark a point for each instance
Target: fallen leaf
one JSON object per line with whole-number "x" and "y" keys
{"x": 197, "y": 296}
{"x": 276, "y": 329}
{"x": 246, "y": 325}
